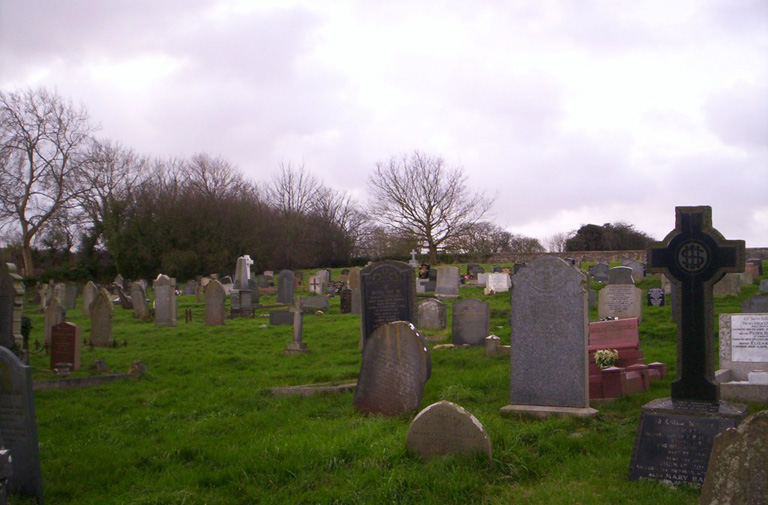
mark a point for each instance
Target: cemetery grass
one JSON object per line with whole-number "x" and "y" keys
{"x": 201, "y": 427}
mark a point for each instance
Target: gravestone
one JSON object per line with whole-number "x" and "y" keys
{"x": 189, "y": 288}
{"x": 413, "y": 262}
{"x": 755, "y": 305}
{"x": 346, "y": 301}
{"x": 758, "y": 263}
{"x": 54, "y": 314}
{"x": 242, "y": 272}
{"x": 496, "y": 269}
{"x": 165, "y": 301}
{"x": 70, "y": 297}
{"x": 281, "y": 318}
{"x": 730, "y": 284}
{"x": 215, "y": 304}
{"x": 262, "y": 281}
{"x": 500, "y": 283}
{"x": 445, "y": 428}
{"x": 65, "y": 345}
{"x": 482, "y": 279}
{"x": 299, "y": 276}
{"x": 353, "y": 283}
{"x": 101, "y": 319}
{"x": 738, "y": 465}
{"x": 388, "y": 294}
{"x": 139, "y": 301}
{"x": 666, "y": 284}
{"x": 285, "y": 283}
{"x": 638, "y": 269}
{"x": 18, "y": 426}
{"x": 675, "y": 435}
{"x": 620, "y": 300}
{"x": 11, "y": 305}
{"x": 599, "y": 272}
{"x": 655, "y": 297}
{"x": 396, "y": 366}
{"x": 743, "y": 352}
{"x": 549, "y": 338}
{"x": 763, "y": 286}
{"x": 89, "y": 293}
{"x": 313, "y": 303}
{"x": 447, "y": 282}
{"x": 316, "y": 284}
{"x": 119, "y": 280}
{"x": 431, "y": 314}
{"x": 297, "y": 346}
{"x": 470, "y": 322}
{"x": 620, "y": 275}
{"x": 591, "y": 298}
{"x": 473, "y": 270}
{"x": 432, "y": 275}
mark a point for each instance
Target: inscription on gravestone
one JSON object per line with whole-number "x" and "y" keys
{"x": 655, "y": 297}
{"x": 471, "y": 320}
{"x": 388, "y": 294}
{"x": 65, "y": 345}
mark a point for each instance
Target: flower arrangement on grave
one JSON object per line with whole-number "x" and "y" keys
{"x": 606, "y": 358}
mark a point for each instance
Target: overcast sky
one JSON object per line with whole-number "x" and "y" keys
{"x": 568, "y": 112}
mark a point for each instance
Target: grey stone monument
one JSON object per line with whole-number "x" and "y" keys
{"x": 743, "y": 356}
{"x": 19, "y": 427}
{"x": 165, "y": 301}
{"x": 297, "y": 346}
{"x": 215, "y": 304}
{"x": 431, "y": 314}
{"x": 54, "y": 314}
{"x": 388, "y": 292}
{"x": 89, "y": 293}
{"x": 620, "y": 275}
{"x": 470, "y": 322}
{"x": 445, "y": 428}
{"x": 599, "y": 272}
{"x": 139, "y": 301}
{"x": 755, "y": 304}
{"x": 285, "y": 283}
{"x": 101, "y": 319}
{"x": 549, "y": 321}
{"x": 11, "y": 305}
{"x": 70, "y": 296}
{"x": 447, "y": 282}
{"x": 353, "y": 283}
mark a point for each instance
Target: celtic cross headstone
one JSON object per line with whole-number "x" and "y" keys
{"x": 695, "y": 256}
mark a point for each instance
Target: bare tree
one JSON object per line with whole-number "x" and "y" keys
{"x": 293, "y": 190}
{"x": 211, "y": 176}
{"x": 417, "y": 195}
{"x": 337, "y": 207}
{"x": 556, "y": 241}
{"x": 42, "y": 141}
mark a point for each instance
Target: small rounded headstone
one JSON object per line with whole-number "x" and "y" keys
{"x": 445, "y": 428}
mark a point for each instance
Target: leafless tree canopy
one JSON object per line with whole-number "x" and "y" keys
{"x": 418, "y": 195}
{"x": 42, "y": 145}
{"x": 293, "y": 190}
{"x": 556, "y": 241}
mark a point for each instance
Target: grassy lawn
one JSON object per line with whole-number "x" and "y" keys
{"x": 202, "y": 427}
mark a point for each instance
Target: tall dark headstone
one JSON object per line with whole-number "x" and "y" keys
{"x": 11, "y": 303}
{"x": 65, "y": 345}
{"x": 388, "y": 292}
{"x": 18, "y": 426}
{"x": 675, "y": 435}
{"x": 345, "y": 306}
{"x": 285, "y": 283}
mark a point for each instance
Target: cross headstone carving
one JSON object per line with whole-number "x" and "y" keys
{"x": 314, "y": 283}
{"x": 695, "y": 256}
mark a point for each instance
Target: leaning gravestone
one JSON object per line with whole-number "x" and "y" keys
{"x": 738, "y": 467}
{"x": 139, "y": 301}
{"x": 18, "y": 427}
{"x": 388, "y": 294}
{"x": 445, "y": 428}
{"x": 655, "y": 297}
{"x": 89, "y": 293}
{"x": 470, "y": 322}
{"x": 54, "y": 314}
{"x": 549, "y": 340}
{"x": 743, "y": 357}
{"x": 165, "y": 301}
{"x": 620, "y": 300}
{"x": 675, "y": 435}
{"x": 447, "y": 282}
{"x": 65, "y": 345}
{"x": 285, "y": 283}
{"x": 396, "y": 366}
{"x": 431, "y": 314}
{"x": 215, "y": 304}
{"x": 101, "y": 319}
{"x": 11, "y": 304}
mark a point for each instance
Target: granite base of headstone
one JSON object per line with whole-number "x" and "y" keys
{"x": 738, "y": 466}
{"x": 444, "y": 429}
{"x": 674, "y": 439}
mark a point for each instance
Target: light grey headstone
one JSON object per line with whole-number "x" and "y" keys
{"x": 500, "y": 282}
{"x": 638, "y": 269}
{"x": 445, "y": 428}
{"x": 189, "y": 288}
{"x": 11, "y": 305}
{"x": 447, "y": 282}
{"x": 549, "y": 335}
{"x": 396, "y": 366}
{"x": 54, "y": 314}
{"x": 165, "y": 301}
{"x": 743, "y": 344}
{"x": 101, "y": 319}
{"x": 317, "y": 284}
{"x": 431, "y": 314}
{"x": 18, "y": 426}
{"x": 139, "y": 301}
{"x": 730, "y": 284}
{"x": 285, "y": 283}
{"x": 482, "y": 279}
{"x": 242, "y": 272}
{"x": 470, "y": 322}
{"x": 89, "y": 293}
{"x": 620, "y": 275}
{"x": 70, "y": 296}
{"x": 620, "y": 300}
{"x": 215, "y": 304}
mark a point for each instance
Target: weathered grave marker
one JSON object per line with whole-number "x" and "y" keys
{"x": 215, "y": 304}
{"x": 19, "y": 427}
{"x": 470, "y": 322}
{"x": 89, "y": 293}
{"x": 353, "y": 283}
{"x": 388, "y": 294}
{"x": 445, "y": 428}
{"x": 345, "y": 305}
{"x": 297, "y": 346}
{"x": 11, "y": 304}
{"x": 599, "y": 272}
{"x": 65, "y": 345}
{"x": 620, "y": 275}
{"x": 54, "y": 314}
{"x": 101, "y": 319}
{"x": 743, "y": 355}
{"x": 447, "y": 282}
{"x": 165, "y": 301}
{"x": 396, "y": 366}
{"x": 139, "y": 301}
{"x": 285, "y": 283}
{"x": 674, "y": 437}
{"x": 755, "y": 304}
{"x": 620, "y": 300}
{"x": 431, "y": 314}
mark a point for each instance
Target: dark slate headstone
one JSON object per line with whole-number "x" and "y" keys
{"x": 65, "y": 345}
{"x": 738, "y": 466}
{"x": 470, "y": 322}
{"x": 694, "y": 256}
{"x": 281, "y": 318}
{"x": 763, "y": 286}
{"x": 474, "y": 269}
{"x": 432, "y": 275}
{"x": 655, "y": 297}
{"x": 754, "y": 305}
{"x": 396, "y": 366}
{"x": 431, "y": 314}
{"x": 445, "y": 428}
{"x": 285, "y": 283}
{"x": 591, "y": 297}
{"x": 18, "y": 426}
{"x": 388, "y": 292}
{"x": 599, "y": 272}
{"x": 549, "y": 338}
{"x": 620, "y": 275}
{"x": 11, "y": 303}
{"x": 345, "y": 305}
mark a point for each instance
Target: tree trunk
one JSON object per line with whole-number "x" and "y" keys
{"x": 26, "y": 255}
{"x": 432, "y": 254}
